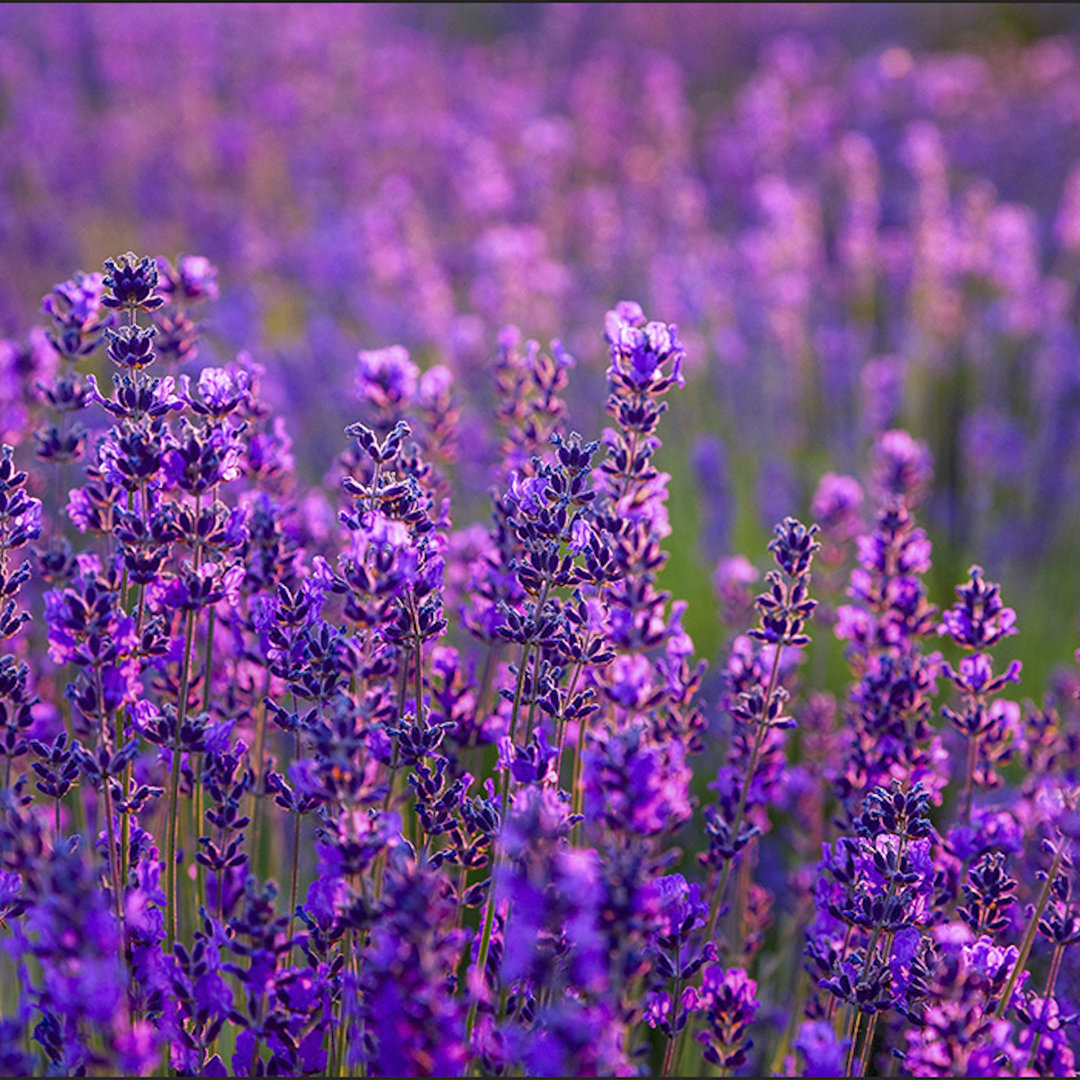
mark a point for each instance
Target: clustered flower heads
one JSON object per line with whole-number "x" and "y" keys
{"x": 393, "y": 796}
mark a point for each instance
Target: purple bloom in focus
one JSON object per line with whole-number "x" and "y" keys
{"x": 132, "y": 283}
{"x": 979, "y": 620}
{"x": 130, "y": 346}
{"x": 640, "y": 350}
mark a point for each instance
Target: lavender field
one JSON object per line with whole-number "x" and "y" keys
{"x": 539, "y": 540}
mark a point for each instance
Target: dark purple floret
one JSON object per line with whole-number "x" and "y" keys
{"x": 132, "y": 283}
{"x": 979, "y": 620}
{"x": 130, "y": 346}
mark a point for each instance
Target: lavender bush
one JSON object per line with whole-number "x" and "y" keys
{"x": 351, "y": 719}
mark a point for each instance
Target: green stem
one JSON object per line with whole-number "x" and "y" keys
{"x": 174, "y": 787}
{"x": 114, "y": 867}
{"x": 1033, "y": 925}
{"x": 395, "y": 760}
{"x": 759, "y": 741}
{"x": 853, "y": 1034}
{"x": 577, "y": 794}
{"x": 260, "y": 750}
{"x": 199, "y": 794}
{"x": 481, "y": 959}
{"x": 669, "y": 1053}
{"x": 294, "y": 886}
{"x": 1055, "y": 967}
{"x": 794, "y": 1012}
{"x": 969, "y": 782}
{"x": 560, "y": 733}
{"x": 419, "y": 681}
{"x": 868, "y": 1038}
{"x": 518, "y": 687}
{"x": 537, "y": 657}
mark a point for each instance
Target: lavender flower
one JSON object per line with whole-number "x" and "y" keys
{"x": 131, "y": 284}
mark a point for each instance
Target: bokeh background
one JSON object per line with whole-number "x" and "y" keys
{"x": 860, "y": 217}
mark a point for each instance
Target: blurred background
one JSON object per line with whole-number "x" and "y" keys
{"x": 861, "y": 217}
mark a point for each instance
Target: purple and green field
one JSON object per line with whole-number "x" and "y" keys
{"x": 539, "y": 540}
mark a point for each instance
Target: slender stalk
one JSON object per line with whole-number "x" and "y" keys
{"x": 174, "y": 787}
{"x": 379, "y": 864}
{"x": 560, "y": 733}
{"x": 867, "y": 1047}
{"x": 220, "y": 906}
{"x": 868, "y": 1038}
{"x": 577, "y": 795}
{"x": 794, "y": 1013}
{"x": 759, "y": 741}
{"x": 260, "y": 750}
{"x": 1055, "y": 970}
{"x": 197, "y": 824}
{"x": 1033, "y": 925}
{"x": 969, "y": 782}
{"x": 853, "y": 1034}
{"x": 114, "y": 868}
{"x": 125, "y": 822}
{"x": 199, "y": 793}
{"x": 419, "y": 682}
{"x": 462, "y": 882}
{"x": 518, "y": 687}
{"x": 481, "y": 959}
{"x": 77, "y": 804}
{"x": 669, "y": 1052}
{"x": 669, "y": 1056}
{"x": 533, "y": 696}
{"x": 486, "y": 677}
{"x": 1051, "y": 980}
{"x": 181, "y": 716}
{"x": 395, "y": 760}
{"x": 830, "y": 1009}
{"x": 489, "y": 915}
{"x": 294, "y": 881}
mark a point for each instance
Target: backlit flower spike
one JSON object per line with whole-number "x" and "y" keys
{"x": 132, "y": 284}
{"x": 979, "y": 619}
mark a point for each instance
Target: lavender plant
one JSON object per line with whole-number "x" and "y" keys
{"x": 451, "y": 762}
{"x": 470, "y": 809}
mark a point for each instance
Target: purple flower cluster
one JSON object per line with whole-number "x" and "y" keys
{"x": 362, "y": 710}
{"x": 402, "y": 798}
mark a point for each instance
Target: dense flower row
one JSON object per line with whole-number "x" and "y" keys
{"x": 393, "y": 796}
